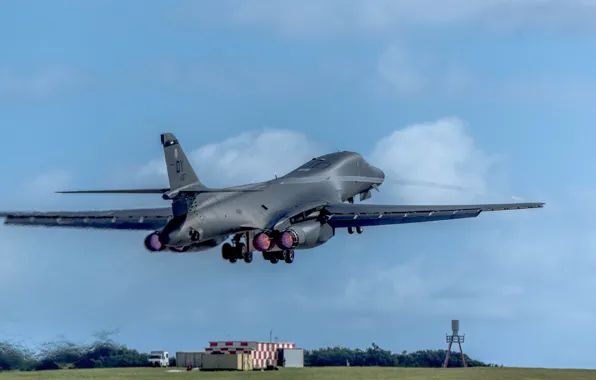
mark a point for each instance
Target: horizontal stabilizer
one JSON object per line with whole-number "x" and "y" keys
{"x": 166, "y": 193}
{"x": 201, "y": 190}
{"x": 116, "y": 191}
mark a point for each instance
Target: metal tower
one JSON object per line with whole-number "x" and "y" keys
{"x": 455, "y": 338}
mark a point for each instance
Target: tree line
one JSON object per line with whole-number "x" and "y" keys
{"x": 105, "y": 353}
{"x": 377, "y": 357}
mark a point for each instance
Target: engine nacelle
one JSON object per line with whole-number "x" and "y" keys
{"x": 305, "y": 235}
{"x": 152, "y": 242}
{"x": 263, "y": 241}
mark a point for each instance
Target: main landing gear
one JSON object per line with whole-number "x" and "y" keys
{"x": 358, "y": 230}
{"x": 232, "y": 253}
{"x": 286, "y": 255}
{"x": 236, "y": 251}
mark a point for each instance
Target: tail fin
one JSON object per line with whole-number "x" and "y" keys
{"x": 182, "y": 177}
{"x": 180, "y": 171}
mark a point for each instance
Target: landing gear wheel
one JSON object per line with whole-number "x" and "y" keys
{"x": 247, "y": 257}
{"x": 350, "y": 230}
{"x": 227, "y": 251}
{"x": 289, "y": 256}
{"x": 232, "y": 259}
{"x": 239, "y": 250}
{"x": 359, "y": 230}
{"x": 274, "y": 260}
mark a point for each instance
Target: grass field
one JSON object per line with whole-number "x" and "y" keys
{"x": 352, "y": 373}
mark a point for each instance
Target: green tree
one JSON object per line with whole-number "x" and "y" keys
{"x": 339, "y": 356}
{"x": 13, "y": 357}
{"x": 105, "y": 353}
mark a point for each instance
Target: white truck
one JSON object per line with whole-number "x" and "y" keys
{"x": 158, "y": 359}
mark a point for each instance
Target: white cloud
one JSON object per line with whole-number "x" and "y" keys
{"x": 397, "y": 68}
{"x": 14, "y": 254}
{"x": 236, "y": 80}
{"x": 50, "y": 181}
{"x": 510, "y": 270}
{"x": 440, "y": 152}
{"x": 248, "y": 157}
{"x": 43, "y": 187}
{"x": 407, "y": 71}
{"x": 10, "y": 270}
{"x": 38, "y": 83}
{"x": 381, "y": 16}
{"x": 515, "y": 273}
{"x": 576, "y": 91}
{"x": 422, "y": 288}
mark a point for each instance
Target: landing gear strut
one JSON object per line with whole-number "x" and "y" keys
{"x": 289, "y": 256}
{"x": 235, "y": 251}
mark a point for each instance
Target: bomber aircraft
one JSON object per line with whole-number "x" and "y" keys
{"x": 300, "y": 210}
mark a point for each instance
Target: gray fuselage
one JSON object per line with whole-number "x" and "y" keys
{"x": 332, "y": 178}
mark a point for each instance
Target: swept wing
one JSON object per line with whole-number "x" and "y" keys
{"x": 353, "y": 215}
{"x": 131, "y": 219}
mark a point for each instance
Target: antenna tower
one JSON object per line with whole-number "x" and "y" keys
{"x": 455, "y": 338}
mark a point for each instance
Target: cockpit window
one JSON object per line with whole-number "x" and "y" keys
{"x": 314, "y": 164}
{"x": 309, "y": 164}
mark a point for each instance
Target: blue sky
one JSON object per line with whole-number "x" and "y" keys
{"x": 492, "y": 95}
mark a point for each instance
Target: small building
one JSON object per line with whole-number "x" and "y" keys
{"x": 228, "y": 362}
{"x": 193, "y": 359}
{"x": 261, "y": 353}
{"x": 290, "y": 357}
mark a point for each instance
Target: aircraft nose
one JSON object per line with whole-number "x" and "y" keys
{"x": 380, "y": 174}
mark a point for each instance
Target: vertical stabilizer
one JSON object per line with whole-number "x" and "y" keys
{"x": 180, "y": 171}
